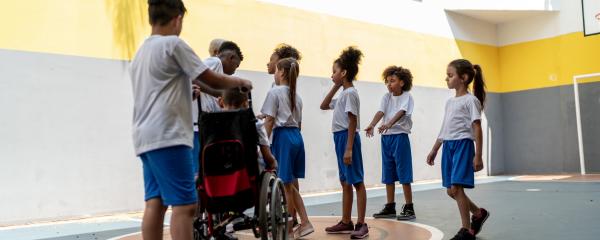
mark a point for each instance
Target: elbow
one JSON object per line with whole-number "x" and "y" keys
{"x": 324, "y": 107}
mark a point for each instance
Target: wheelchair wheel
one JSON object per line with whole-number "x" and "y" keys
{"x": 264, "y": 199}
{"x": 278, "y": 211}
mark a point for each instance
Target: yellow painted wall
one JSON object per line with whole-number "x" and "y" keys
{"x": 548, "y": 62}
{"x": 114, "y": 28}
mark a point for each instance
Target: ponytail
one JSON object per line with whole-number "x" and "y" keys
{"x": 479, "y": 85}
{"x": 474, "y": 74}
{"x": 290, "y": 69}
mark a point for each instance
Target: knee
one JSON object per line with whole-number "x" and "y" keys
{"x": 451, "y": 192}
{"x": 185, "y": 210}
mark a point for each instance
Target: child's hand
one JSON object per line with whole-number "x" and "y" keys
{"x": 369, "y": 131}
{"x": 383, "y": 128}
{"x": 348, "y": 157}
{"x": 477, "y": 163}
{"x": 272, "y": 166}
{"x": 195, "y": 91}
{"x": 431, "y": 158}
{"x": 261, "y": 116}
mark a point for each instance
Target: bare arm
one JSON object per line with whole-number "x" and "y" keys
{"x": 352, "y": 122}
{"x": 477, "y": 161}
{"x": 222, "y": 81}
{"x": 329, "y": 97}
{"x": 378, "y": 116}
{"x": 385, "y": 126}
{"x": 270, "y": 160}
{"x": 269, "y": 124}
{"x": 434, "y": 151}
{"x": 207, "y": 89}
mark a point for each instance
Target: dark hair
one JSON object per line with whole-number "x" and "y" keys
{"x": 473, "y": 72}
{"x": 349, "y": 60}
{"x": 235, "y": 97}
{"x": 402, "y": 73}
{"x": 290, "y": 69}
{"x": 162, "y": 11}
{"x": 286, "y": 51}
{"x": 229, "y": 45}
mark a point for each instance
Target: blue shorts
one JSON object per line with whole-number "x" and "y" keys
{"x": 396, "y": 159}
{"x": 288, "y": 149}
{"x": 168, "y": 175}
{"x": 196, "y": 154}
{"x": 353, "y": 173}
{"x": 457, "y": 163}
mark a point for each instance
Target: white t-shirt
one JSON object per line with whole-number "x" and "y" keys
{"x": 209, "y": 103}
{"x": 162, "y": 93}
{"x": 263, "y": 140}
{"x": 347, "y": 102}
{"x": 390, "y": 105}
{"x": 460, "y": 114}
{"x": 277, "y": 105}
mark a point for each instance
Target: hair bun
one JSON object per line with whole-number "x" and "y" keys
{"x": 351, "y": 55}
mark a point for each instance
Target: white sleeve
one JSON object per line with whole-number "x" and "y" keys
{"x": 443, "y": 123}
{"x": 384, "y": 103}
{"x": 332, "y": 103}
{"x": 352, "y": 104}
{"x": 404, "y": 105}
{"x": 187, "y": 60}
{"x": 263, "y": 140}
{"x": 475, "y": 109}
{"x": 270, "y": 105}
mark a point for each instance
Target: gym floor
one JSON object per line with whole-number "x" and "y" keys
{"x": 523, "y": 207}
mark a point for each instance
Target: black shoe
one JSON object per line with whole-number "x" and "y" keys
{"x": 477, "y": 222}
{"x": 463, "y": 234}
{"x": 408, "y": 213}
{"x": 388, "y": 211}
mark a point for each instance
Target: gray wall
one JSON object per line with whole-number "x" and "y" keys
{"x": 589, "y": 102}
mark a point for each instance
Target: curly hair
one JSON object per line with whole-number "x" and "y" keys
{"x": 402, "y": 73}
{"x": 349, "y": 60}
{"x": 286, "y": 51}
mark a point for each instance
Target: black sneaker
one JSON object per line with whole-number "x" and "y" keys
{"x": 388, "y": 211}
{"x": 463, "y": 234}
{"x": 408, "y": 213}
{"x": 477, "y": 222}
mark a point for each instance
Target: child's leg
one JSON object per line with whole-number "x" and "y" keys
{"x": 361, "y": 201}
{"x": 407, "y": 189}
{"x": 347, "y": 200}
{"x": 298, "y": 202}
{"x": 152, "y": 223}
{"x": 465, "y": 206}
{"x": 291, "y": 204}
{"x": 390, "y": 191}
{"x": 182, "y": 220}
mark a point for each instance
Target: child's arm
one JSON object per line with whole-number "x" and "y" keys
{"x": 352, "y": 122}
{"x": 269, "y": 123}
{"x": 373, "y": 123}
{"x": 434, "y": 151}
{"x": 207, "y": 89}
{"x": 385, "y": 126}
{"x": 222, "y": 81}
{"x": 268, "y": 157}
{"x": 477, "y": 161}
{"x": 327, "y": 100}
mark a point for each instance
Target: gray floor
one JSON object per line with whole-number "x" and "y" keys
{"x": 519, "y": 210}
{"x": 553, "y": 210}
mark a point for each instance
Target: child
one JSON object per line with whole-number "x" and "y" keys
{"x": 227, "y": 61}
{"x": 396, "y": 110}
{"x": 346, "y": 110}
{"x": 283, "y": 111}
{"x": 460, "y": 159}
{"x": 213, "y": 46}
{"x": 235, "y": 99}
{"x": 161, "y": 74}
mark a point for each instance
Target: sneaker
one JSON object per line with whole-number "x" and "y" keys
{"x": 303, "y": 230}
{"x": 388, "y": 211}
{"x": 341, "y": 227}
{"x": 477, "y": 221}
{"x": 408, "y": 213}
{"x": 360, "y": 231}
{"x": 463, "y": 234}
